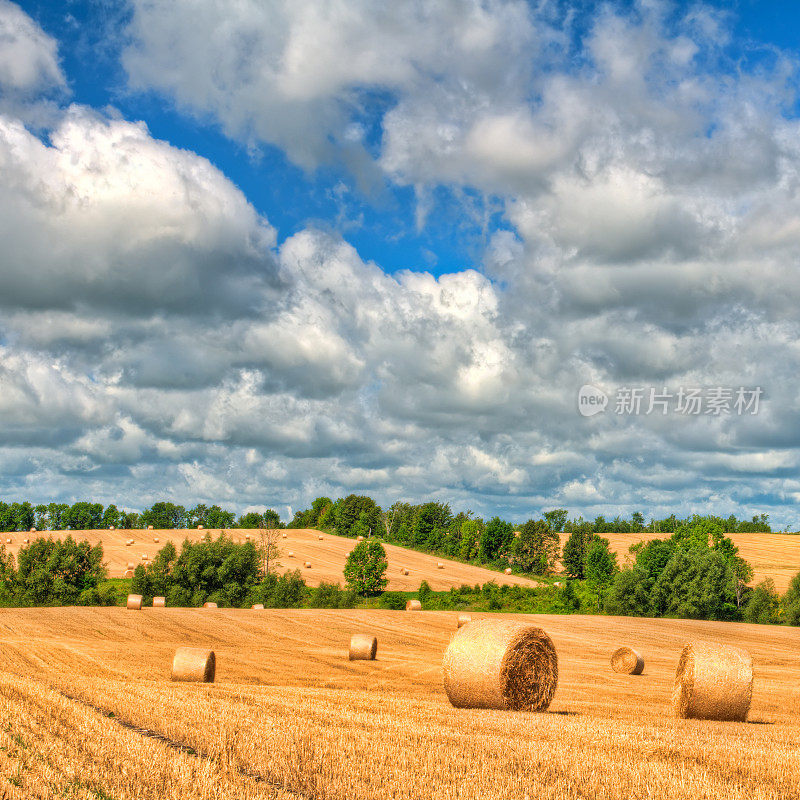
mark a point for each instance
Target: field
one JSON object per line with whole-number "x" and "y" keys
{"x": 327, "y": 557}
{"x": 772, "y": 555}
{"x": 290, "y": 716}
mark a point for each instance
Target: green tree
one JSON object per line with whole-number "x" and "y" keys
{"x": 556, "y": 519}
{"x": 495, "y": 539}
{"x": 536, "y": 548}
{"x": 637, "y": 521}
{"x": 575, "y": 549}
{"x": 601, "y": 563}
{"x": 111, "y": 516}
{"x": 365, "y": 568}
{"x": 424, "y": 594}
{"x": 356, "y": 509}
{"x": 763, "y": 607}
{"x": 629, "y": 594}
{"x": 164, "y": 515}
{"x": 791, "y": 602}
{"x": 470, "y": 531}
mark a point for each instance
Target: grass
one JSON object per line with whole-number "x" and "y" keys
{"x": 289, "y": 708}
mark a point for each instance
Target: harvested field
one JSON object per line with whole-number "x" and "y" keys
{"x": 325, "y": 552}
{"x": 290, "y": 709}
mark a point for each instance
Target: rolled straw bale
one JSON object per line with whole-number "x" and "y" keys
{"x": 307, "y": 565}
{"x": 247, "y": 537}
{"x": 131, "y": 565}
{"x": 362, "y": 647}
{"x": 25, "y": 540}
{"x": 194, "y": 664}
{"x": 463, "y": 619}
{"x": 713, "y": 681}
{"x": 111, "y": 527}
{"x": 290, "y": 554}
{"x": 134, "y": 602}
{"x": 149, "y": 527}
{"x": 404, "y": 571}
{"x": 257, "y": 606}
{"x": 8, "y": 540}
{"x": 413, "y": 605}
{"x": 627, "y": 661}
{"x": 129, "y": 573}
{"x": 199, "y": 527}
{"x": 439, "y": 565}
{"x": 129, "y": 543}
{"x": 209, "y": 605}
{"x": 359, "y": 538}
{"x": 320, "y": 538}
{"x": 507, "y": 571}
{"x": 33, "y": 530}
{"x": 155, "y": 539}
{"x": 283, "y": 536}
{"x": 144, "y": 556}
{"x": 500, "y": 664}
{"x": 159, "y": 602}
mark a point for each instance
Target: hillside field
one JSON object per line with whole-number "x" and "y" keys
{"x": 326, "y": 556}
{"x": 290, "y": 716}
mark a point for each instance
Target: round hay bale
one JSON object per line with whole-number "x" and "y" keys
{"x": 507, "y": 571}
{"x": 128, "y": 573}
{"x": 257, "y": 606}
{"x": 9, "y": 540}
{"x": 199, "y": 527}
{"x": 439, "y": 565}
{"x": 194, "y": 664}
{"x": 413, "y": 605}
{"x": 713, "y": 681}
{"x": 149, "y": 527}
{"x": 627, "y": 661}
{"x": 283, "y": 536}
{"x": 131, "y": 566}
{"x": 247, "y": 537}
{"x": 320, "y": 538}
{"x": 111, "y": 527}
{"x": 362, "y": 647}
{"x": 209, "y": 605}
{"x": 129, "y": 543}
{"x": 463, "y": 619}
{"x": 404, "y": 571}
{"x": 144, "y": 556}
{"x": 504, "y": 664}
{"x": 155, "y": 539}
{"x": 290, "y": 554}
{"x": 307, "y": 565}
{"x": 25, "y": 540}
{"x": 359, "y": 538}
{"x": 134, "y": 602}
{"x": 159, "y": 602}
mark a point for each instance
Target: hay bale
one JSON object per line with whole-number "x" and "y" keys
{"x": 359, "y": 538}
{"x": 507, "y": 571}
{"x": 25, "y": 540}
{"x": 404, "y": 571}
{"x": 145, "y": 556}
{"x": 131, "y": 566}
{"x": 33, "y": 530}
{"x": 463, "y": 619}
{"x": 362, "y": 647}
{"x": 257, "y": 606}
{"x": 9, "y": 540}
{"x": 209, "y": 605}
{"x": 307, "y": 565}
{"x": 713, "y": 681}
{"x": 283, "y": 536}
{"x": 199, "y": 527}
{"x": 413, "y": 605}
{"x": 320, "y": 538}
{"x": 290, "y": 554}
{"x": 506, "y": 664}
{"x": 149, "y": 527}
{"x": 159, "y": 602}
{"x": 128, "y": 573}
{"x": 134, "y": 602}
{"x": 155, "y": 539}
{"x": 247, "y": 537}
{"x": 194, "y": 664}
{"x": 627, "y": 661}
{"x": 129, "y": 543}
{"x": 439, "y": 565}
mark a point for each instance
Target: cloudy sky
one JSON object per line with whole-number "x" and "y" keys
{"x": 255, "y": 252}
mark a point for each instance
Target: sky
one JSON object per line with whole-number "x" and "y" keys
{"x": 502, "y": 254}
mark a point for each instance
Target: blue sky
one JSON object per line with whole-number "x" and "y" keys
{"x": 261, "y": 253}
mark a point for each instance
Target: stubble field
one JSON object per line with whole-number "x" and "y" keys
{"x": 290, "y": 716}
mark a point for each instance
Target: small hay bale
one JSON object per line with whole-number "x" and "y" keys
{"x": 8, "y": 540}
{"x": 131, "y": 566}
{"x": 134, "y": 602}
{"x": 199, "y": 527}
{"x": 25, "y": 540}
{"x": 257, "y": 606}
{"x": 33, "y": 530}
{"x": 413, "y": 605}
{"x": 145, "y": 556}
{"x": 159, "y": 602}
{"x": 713, "y": 681}
{"x": 129, "y": 543}
{"x": 247, "y": 537}
{"x": 155, "y": 539}
{"x": 283, "y": 536}
{"x": 404, "y": 571}
{"x": 439, "y": 565}
{"x": 290, "y": 554}
{"x": 149, "y": 527}
{"x": 128, "y": 573}
{"x": 362, "y": 647}
{"x": 359, "y": 538}
{"x": 307, "y": 565}
{"x": 627, "y": 661}
{"x": 507, "y": 571}
{"x": 320, "y": 538}
{"x": 463, "y": 619}
{"x": 194, "y": 664}
{"x": 511, "y": 665}
{"x": 209, "y": 605}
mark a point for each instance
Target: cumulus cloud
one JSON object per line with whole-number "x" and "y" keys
{"x": 28, "y": 56}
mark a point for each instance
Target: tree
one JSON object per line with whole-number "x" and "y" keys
{"x": 470, "y": 530}
{"x": 164, "y": 516}
{"x": 601, "y": 563}
{"x": 536, "y": 548}
{"x": 575, "y": 549}
{"x": 791, "y": 602}
{"x": 111, "y": 516}
{"x": 430, "y": 524}
{"x": 357, "y": 509}
{"x": 763, "y": 607}
{"x": 269, "y": 548}
{"x": 629, "y": 594}
{"x": 83, "y": 516}
{"x": 556, "y": 518}
{"x": 637, "y": 521}
{"x": 495, "y": 539}
{"x": 365, "y": 568}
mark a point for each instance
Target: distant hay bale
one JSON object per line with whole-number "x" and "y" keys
{"x": 194, "y": 664}
{"x": 290, "y": 554}
{"x": 413, "y": 605}
{"x": 307, "y": 565}
{"x": 320, "y": 538}
{"x": 362, "y": 647}
{"x": 507, "y": 570}
{"x": 129, "y": 543}
{"x": 131, "y": 566}
{"x": 439, "y": 565}
{"x": 257, "y": 606}
{"x": 199, "y": 527}
{"x": 155, "y": 539}
{"x": 247, "y": 537}
{"x": 159, "y": 602}
{"x": 149, "y": 527}
{"x": 145, "y": 556}
{"x": 128, "y": 573}
{"x": 627, "y": 661}
{"x": 359, "y": 538}
{"x": 25, "y": 540}
{"x": 209, "y": 605}
{"x": 404, "y": 571}
{"x": 283, "y": 536}
{"x": 505, "y": 664}
{"x": 111, "y": 527}
{"x": 713, "y": 681}
{"x": 134, "y": 602}
{"x": 9, "y": 540}
{"x": 463, "y": 619}
{"x": 33, "y": 530}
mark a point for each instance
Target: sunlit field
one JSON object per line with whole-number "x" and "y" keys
{"x": 289, "y": 715}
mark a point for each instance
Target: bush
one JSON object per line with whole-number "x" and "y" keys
{"x": 791, "y": 602}
{"x": 107, "y": 595}
{"x": 330, "y": 595}
{"x": 763, "y": 607}
{"x": 365, "y": 568}
{"x": 424, "y": 593}
{"x": 395, "y": 601}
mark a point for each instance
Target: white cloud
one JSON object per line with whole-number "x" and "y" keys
{"x": 28, "y": 56}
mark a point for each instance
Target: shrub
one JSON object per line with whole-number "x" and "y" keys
{"x": 395, "y": 601}
{"x": 365, "y": 568}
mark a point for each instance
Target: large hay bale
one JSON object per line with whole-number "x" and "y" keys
{"x": 159, "y": 602}
{"x": 134, "y": 602}
{"x": 627, "y": 661}
{"x": 503, "y": 664}
{"x": 209, "y": 605}
{"x": 194, "y": 664}
{"x": 713, "y": 681}
{"x": 362, "y": 647}
{"x": 257, "y": 606}
{"x": 463, "y": 619}
{"x": 413, "y": 605}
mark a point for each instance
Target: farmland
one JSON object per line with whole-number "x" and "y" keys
{"x": 290, "y": 716}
